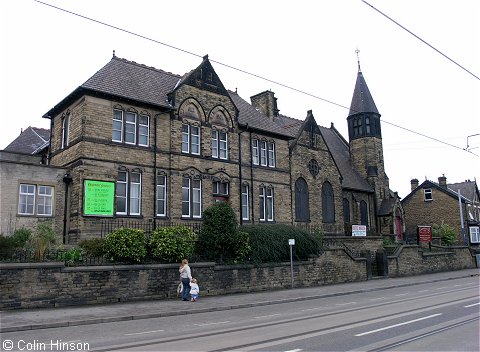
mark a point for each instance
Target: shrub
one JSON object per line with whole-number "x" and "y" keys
{"x": 445, "y": 232}
{"x": 92, "y": 246}
{"x": 20, "y": 237}
{"x": 42, "y": 239}
{"x": 269, "y": 243}
{"x": 219, "y": 237}
{"x": 172, "y": 244}
{"x": 70, "y": 256}
{"x": 126, "y": 245}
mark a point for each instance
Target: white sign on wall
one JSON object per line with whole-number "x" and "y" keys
{"x": 359, "y": 230}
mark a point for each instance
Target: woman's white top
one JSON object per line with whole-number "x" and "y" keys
{"x": 185, "y": 272}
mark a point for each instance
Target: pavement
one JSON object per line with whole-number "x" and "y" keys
{"x": 29, "y": 319}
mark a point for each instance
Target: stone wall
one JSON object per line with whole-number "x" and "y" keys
{"x": 413, "y": 260}
{"x": 54, "y": 285}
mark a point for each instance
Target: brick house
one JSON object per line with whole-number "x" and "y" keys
{"x": 431, "y": 203}
{"x": 170, "y": 146}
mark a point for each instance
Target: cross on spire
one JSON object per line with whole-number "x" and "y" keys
{"x": 358, "y": 59}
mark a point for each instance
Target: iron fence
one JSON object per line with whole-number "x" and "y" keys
{"x": 148, "y": 225}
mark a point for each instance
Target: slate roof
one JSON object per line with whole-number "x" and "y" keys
{"x": 362, "y": 100}
{"x": 31, "y": 141}
{"x": 467, "y": 189}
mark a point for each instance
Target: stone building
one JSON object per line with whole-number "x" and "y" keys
{"x": 163, "y": 147}
{"x": 433, "y": 203}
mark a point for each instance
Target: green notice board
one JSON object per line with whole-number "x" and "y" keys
{"x": 99, "y": 198}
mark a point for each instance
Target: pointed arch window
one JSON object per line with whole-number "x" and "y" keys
{"x": 363, "y": 213}
{"x": 346, "y": 211}
{"x": 302, "y": 210}
{"x": 328, "y": 205}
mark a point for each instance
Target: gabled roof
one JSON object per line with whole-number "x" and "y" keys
{"x": 362, "y": 100}
{"x": 337, "y": 146}
{"x": 430, "y": 184}
{"x": 31, "y": 141}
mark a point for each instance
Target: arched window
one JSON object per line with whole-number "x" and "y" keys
{"x": 328, "y": 205}
{"x": 302, "y": 211}
{"x": 363, "y": 213}
{"x": 346, "y": 211}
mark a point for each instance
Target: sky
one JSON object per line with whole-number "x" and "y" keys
{"x": 303, "y": 51}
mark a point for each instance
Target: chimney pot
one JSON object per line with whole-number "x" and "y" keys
{"x": 442, "y": 181}
{"x": 414, "y": 183}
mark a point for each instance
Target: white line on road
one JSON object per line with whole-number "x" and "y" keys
{"x": 345, "y": 304}
{"x": 423, "y": 291}
{"x": 401, "y": 294}
{"x": 266, "y": 316}
{"x": 471, "y": 305}
{"x": 394, "y": 326}
{"x": 378, "y": 299}
{"x": 297, "y": 350}
{"x": 207, "y": 324}
{"x": 307, "y": 309}
{"x": 144, "y": 332}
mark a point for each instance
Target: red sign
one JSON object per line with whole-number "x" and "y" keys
{"x": 424, "y": 234}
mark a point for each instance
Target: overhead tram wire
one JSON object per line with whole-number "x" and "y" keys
{"x": 239, "y": 70}
{"x": 423, "y": 41}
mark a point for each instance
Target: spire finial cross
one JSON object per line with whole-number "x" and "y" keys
{"x": 358, "y": 59}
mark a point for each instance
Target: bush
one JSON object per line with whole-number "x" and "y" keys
{"x": 70, "y": 256}
{"x": 445, "y": 232}
{"x": 269, "y": 243}
{"x": 172, "y": 244}
{"x": 92, "y": 247}
{"x": 42, "y": 239}
{"x": 20, "y": 237}
{"x": 219, "y": 237}
{"x": 126, "y": 245}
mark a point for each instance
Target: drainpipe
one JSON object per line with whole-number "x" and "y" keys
{"x": 240, "y": 170}
{"x": 155, "y": 171}
{"x": 67, "y": 179}
{"x": 49, "y": 154}
{"x": 251, "y": 179}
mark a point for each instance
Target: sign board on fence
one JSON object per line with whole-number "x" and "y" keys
{"x": 98, "y": 198}
{"x": 359, "y": 230}
{"x": 424, "y": 234}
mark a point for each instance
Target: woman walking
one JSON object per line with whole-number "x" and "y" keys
{"x": 186, "y": 277}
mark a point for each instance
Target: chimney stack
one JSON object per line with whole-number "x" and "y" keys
{"x": 266, "y": 103}
{"x": 414, "y": 184}
{"x": 442, "y": 181}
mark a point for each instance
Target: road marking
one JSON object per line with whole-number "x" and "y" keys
{"x": 144, "y": 332}
{"x": 207, "y": 324}
{"x": 345, "y": 304}
{"x": 307, "y": 309}
{"x": 401, "y": 294}
{"x": 441, "y": 288}
{"x": 471, "y": 305}
{"x": 394, "y": 326}
{"x": 378, "y": 299}
{"x": 266, "y": 316}
{"x": 297, "y": 350}
{"x": 423, "y": 291}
